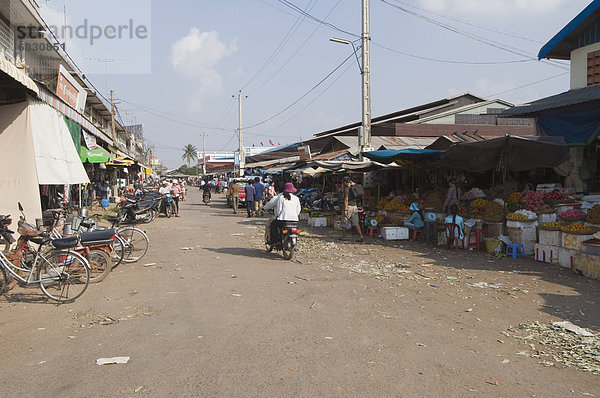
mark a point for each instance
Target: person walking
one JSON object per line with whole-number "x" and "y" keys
{"x": 271, "y": 190}
{"x": 259, "y": 190}
{"x": 350, "y": 210}
{"x": 235, "y": 198}
{"x": 250, "y": 198}
{"x": 176, "y": 192}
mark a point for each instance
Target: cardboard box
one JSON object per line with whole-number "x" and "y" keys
{"x": 317, "y": 221}
{"x": 546, "y": 253}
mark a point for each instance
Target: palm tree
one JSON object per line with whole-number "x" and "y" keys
{"x": 190, "y": 153}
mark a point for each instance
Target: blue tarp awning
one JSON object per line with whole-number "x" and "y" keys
{"x": 388, "y": 156}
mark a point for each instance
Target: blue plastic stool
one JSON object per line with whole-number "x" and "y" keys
{"x": 512, "y": 249}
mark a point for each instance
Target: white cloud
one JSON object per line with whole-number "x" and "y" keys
{"x": 491, "y": 7}
{"x": 196, "y": 57}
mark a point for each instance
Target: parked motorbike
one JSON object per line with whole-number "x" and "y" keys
{"x": 285, "y": 241}
{"x": 5, "y": 233}
{"x": 138, "y": 210}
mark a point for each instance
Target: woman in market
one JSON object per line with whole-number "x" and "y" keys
{"x": 452, "y": 196}
{"x": 453, "y": 218}
{"x": 416, "y": 220}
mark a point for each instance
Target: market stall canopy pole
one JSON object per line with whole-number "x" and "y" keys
{"x": 512, "y": 152}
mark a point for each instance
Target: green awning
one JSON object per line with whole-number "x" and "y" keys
{"x": 96, "y": 155}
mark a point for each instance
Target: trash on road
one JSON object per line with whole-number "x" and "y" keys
{"x": 149, "y": 264}
{"x": 187, "y": 248}
{"x": 573, "y": 328}
{"x": 236, "y": 295}
{"x": 237, "y": 234}
{"x": 112, "y": 361}
{"x": 494, "y": 383}
{"x": 484, "y": 285}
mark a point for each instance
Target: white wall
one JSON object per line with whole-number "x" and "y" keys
{"x": 579, "y": 65}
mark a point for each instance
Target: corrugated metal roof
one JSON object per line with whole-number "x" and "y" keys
{"x": 387, "y": 142}
{"x": 560, "y": 46}
{"x": 571, "y": 97}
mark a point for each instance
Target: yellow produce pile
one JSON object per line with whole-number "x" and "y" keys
{"x": 515, "y": 197}
{"x": 480, "y": 203}
{"x": 379, "y": 219}
{"x": 577, "y": 227}
{"x": 382, "y": 202}
{"x": 593, "y": 215}
{"x": 396, "y": 205}
{"x": 551, "y": 224}
{"x": 494, "y": 212}
{"x": 516, "y": 217}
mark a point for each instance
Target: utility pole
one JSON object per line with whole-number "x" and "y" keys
{"x": 242, "y": 156}
{"x": 113, "y": 124}
{"x": 203, "y": 154}
{"x": 364, "y": 139}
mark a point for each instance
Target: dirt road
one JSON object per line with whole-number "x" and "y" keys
{"x": 224, "y": 318}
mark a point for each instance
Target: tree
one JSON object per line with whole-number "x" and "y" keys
{"x": 190, "y": 153}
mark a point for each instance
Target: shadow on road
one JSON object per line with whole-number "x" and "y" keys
{"x": 246, "y": 252}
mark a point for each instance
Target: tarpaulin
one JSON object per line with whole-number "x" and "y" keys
{"x": 577, "y": 124}
{"x": 388, "y": 156}
{"x": 510, "y": 152}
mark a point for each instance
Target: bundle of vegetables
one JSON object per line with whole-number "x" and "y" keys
{"x": 593, "y": 215}
{"x": 494, "y": 212}
{"x": 577, "y": 228}
{"x": 573, "y": 214}
{"x": 514, "y": 206}
{"x": 534, "y": 201}
{"x": 555, "y": 197}
{"x": 515, "y": 197}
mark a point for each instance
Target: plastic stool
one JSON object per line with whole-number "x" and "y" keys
{"x": 417, "y": 234}
{"x": 373, "y": 231}
{"x": 479, "y": 239}
{"x": 512, "y": 249}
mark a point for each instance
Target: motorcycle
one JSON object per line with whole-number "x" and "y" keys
{"x": 286, "y": 240}
{"x": 5, "y": 233}
{"x": 206, "y": 198}
{"x": 168, "y": 205}
{"x": 133, "y": 211}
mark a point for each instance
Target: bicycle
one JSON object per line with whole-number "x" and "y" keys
{"x": 62, "y": 274}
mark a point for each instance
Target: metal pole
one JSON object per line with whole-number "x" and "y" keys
{"x": 203, "y": 154}
{"x": 364, "y": 139}
{"x": 242, "y": 157}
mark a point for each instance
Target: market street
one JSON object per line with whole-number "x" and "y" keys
{"x": 207, "y": 312}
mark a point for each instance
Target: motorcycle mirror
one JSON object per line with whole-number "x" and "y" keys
{"x": 20, "y": 206}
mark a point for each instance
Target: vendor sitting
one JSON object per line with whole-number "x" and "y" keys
{"x": 453, "y": 218}
{"x": 416, "y": 220}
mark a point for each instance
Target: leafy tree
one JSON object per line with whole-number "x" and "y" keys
{"x": 190, "y": 153}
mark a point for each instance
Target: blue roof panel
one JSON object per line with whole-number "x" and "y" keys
{"x": 568, "y": 29}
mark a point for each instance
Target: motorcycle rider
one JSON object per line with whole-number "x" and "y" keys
{"x": 163, "y": 191}
{"x": 206, "y": 191}
{"x": 286, "y": 207}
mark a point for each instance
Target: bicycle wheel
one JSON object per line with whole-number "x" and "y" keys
{"x": 64, "y": 275}
{"x": 136, "y": 243}
{"x": 100, "y": 265}
{"x": 118, "y": 252}
{"x": 3, "y": 281}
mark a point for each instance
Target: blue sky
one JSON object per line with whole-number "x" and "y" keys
{"x": 179, "y": 82}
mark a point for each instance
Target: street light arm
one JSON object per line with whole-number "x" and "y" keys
{"x": 343, "y": 41}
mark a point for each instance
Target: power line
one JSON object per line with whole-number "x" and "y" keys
{"x": 304, "y": 95}
{"x": 529, "y": 84}
{"x": 491, "y": 43}
{"x": 463, "y": 21}
{"x": 297, "y": 50}
{"x": 281, "y": 44}
{"x": 324, "y": 23}
{"x": 447, "y": 61}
